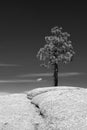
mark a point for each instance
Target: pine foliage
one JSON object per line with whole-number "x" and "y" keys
{"x": 58, "y": 48}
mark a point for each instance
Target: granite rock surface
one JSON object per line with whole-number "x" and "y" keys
{"x": 50, "y": 108}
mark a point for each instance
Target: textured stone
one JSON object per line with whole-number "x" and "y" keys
{"x": 16, "y": 112}
{"x": 52, "y": 108}
{"x": 61, "y": 108}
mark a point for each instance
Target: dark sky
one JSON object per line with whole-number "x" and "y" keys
{"x": 23, "y": 27}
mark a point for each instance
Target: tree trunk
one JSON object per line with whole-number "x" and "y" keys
{"x": 55, "y": 74}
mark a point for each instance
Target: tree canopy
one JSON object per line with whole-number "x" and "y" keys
{"x": 58, "y": 48}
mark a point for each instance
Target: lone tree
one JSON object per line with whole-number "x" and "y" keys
{"x": 58, "y": 49}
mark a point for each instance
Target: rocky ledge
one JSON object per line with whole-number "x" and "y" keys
{"x": 50, "y": 108}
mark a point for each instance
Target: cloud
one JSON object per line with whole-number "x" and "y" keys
{"x": 36, "y": 75}
{"x": 20, "y": 81}
{"x": 50, "y": 74}
{"x": 8, "y": 65}
{"x": 69, "y": 74}
{"x": 39, "y": 79}
{"x": 4, "y": 93}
